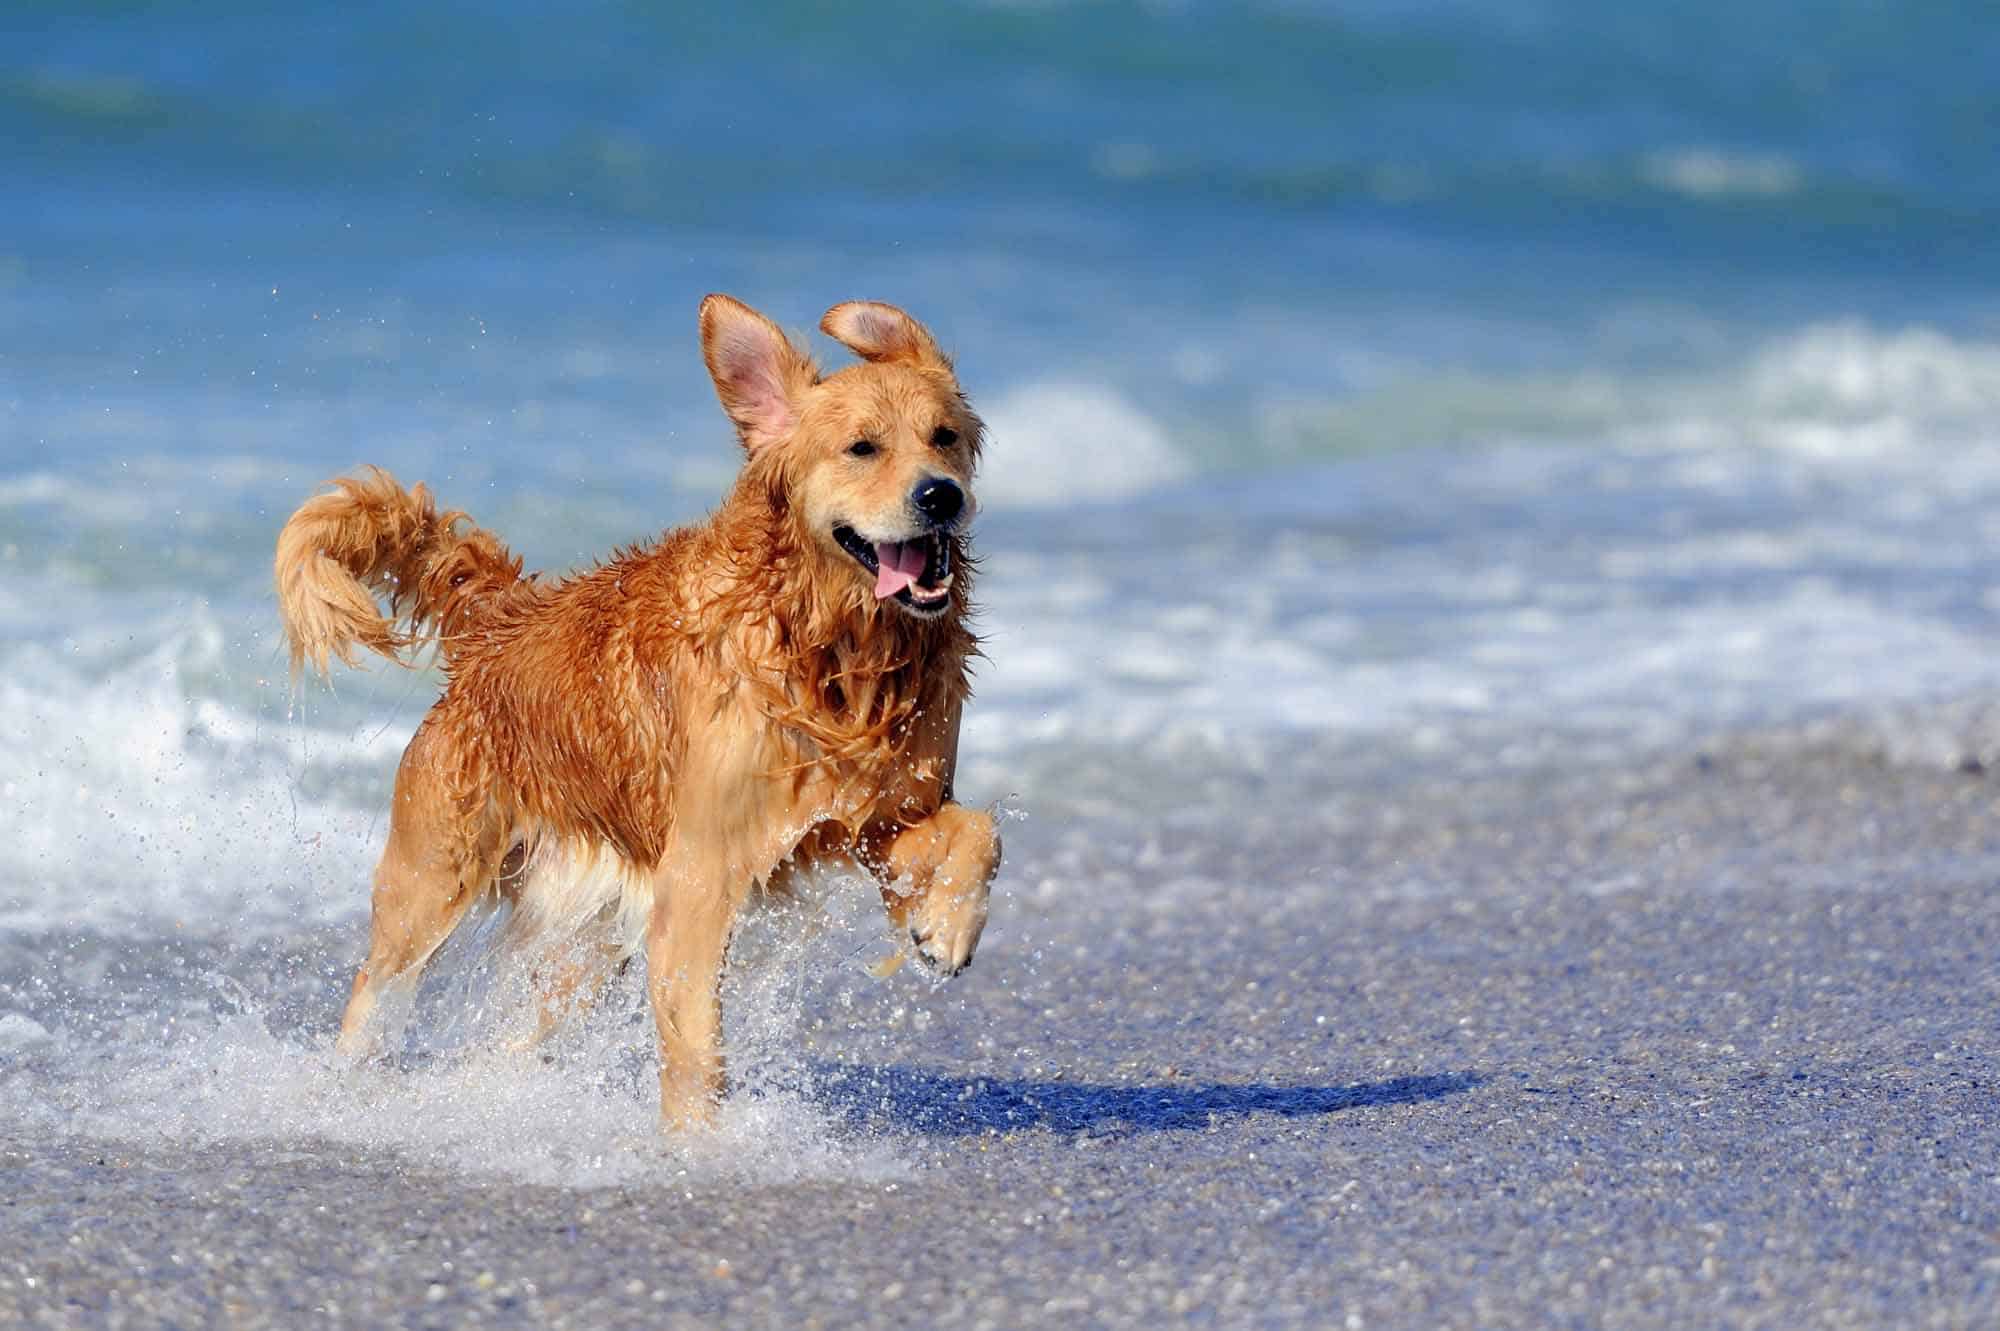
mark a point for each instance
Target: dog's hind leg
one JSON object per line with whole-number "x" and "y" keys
{"x": 569, "y": 979}
{"x": 580, "y": 913}
{"x": 444, "y": 851}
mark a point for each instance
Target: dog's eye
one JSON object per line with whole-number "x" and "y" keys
{"x": 860, "y": 448}
{"x": 943, "y": 437}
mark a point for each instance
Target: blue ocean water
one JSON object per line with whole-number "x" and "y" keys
{"x": 1207, "y": 206}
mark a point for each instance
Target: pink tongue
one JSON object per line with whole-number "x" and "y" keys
{"x": 901, "y": 564}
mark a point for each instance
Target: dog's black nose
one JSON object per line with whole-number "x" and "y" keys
{"x": 939, "y": 500}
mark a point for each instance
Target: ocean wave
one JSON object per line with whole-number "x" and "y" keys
{"x": 1055, "y": 442}
{"x": 135, "y": 795}
{"x": 1842, "y": 388}
{"x": 1712, "y": 173}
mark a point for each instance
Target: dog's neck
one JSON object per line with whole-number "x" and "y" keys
{"x": 856, "y": 671}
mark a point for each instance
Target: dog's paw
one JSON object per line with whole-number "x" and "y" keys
{"x": 946, "y": 928}
{"x": 360, "y": 1048}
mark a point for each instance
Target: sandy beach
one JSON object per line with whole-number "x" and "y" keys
{"x": 1705, "y": 1042}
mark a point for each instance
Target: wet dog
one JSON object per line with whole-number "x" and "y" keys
{"x": 628, "y": 754}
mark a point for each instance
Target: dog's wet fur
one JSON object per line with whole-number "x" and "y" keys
{"x": 628, "y": 754}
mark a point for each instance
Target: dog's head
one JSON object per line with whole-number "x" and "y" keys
{"x": 873, "y": 464}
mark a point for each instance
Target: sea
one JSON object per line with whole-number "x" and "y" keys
{"x": 1380, "y": 394}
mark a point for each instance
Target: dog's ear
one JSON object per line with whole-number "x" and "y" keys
{"x": 878, "y": 332}
{"x": 759, "y": 375}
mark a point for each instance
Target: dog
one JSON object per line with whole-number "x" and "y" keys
{"x": 629, "y": 754}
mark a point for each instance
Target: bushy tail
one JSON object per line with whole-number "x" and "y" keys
{"x": 369, "y": 536}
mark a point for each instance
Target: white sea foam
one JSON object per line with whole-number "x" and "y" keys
{"x": 133, "y": 798}
{"x": 1833, "y": 391}
{"x": 1838, "y": 390}
{"x": 1851, "y": 372}
{"x": 1211, "y": 681}
{"x": 1054, "y": 443}
{"x": 215, "y": 1064}
{"x": 20, "y": 1033}
{"x": 1713, "y": 173}
{"x": 586, "y": 1119}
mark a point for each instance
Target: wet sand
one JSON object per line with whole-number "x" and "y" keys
{"x": 1711, "y": 1041}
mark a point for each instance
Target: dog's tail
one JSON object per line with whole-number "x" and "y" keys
{"x": 368, "y": 536}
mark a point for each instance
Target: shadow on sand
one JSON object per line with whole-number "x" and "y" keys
{"x": 944, "y": 1105}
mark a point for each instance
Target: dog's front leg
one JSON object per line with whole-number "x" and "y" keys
{"x": 685, "y": 945}
{"x": 936, "y": 877}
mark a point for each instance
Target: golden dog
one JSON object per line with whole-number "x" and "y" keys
{"x": 627, "y": 754}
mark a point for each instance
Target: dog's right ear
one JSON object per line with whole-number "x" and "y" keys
{"x": 759, "y": 375}
{"x": 880, "y": 332}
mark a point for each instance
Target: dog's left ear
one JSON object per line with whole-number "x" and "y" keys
{"x": 878, "y": 332}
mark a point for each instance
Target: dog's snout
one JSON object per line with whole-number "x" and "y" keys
{"x": 939, "y": 500}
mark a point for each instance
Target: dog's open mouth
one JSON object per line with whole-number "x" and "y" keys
{"x": 916, "y": 572}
